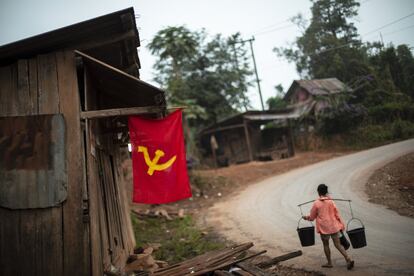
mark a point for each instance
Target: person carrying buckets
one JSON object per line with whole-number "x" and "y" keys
{"x": 329, "y": 224}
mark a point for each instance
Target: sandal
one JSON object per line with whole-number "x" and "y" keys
{"x": 350, "y": 265}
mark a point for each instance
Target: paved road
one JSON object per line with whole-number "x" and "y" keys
{"x": 267, "y": 214}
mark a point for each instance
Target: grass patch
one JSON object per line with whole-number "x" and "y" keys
{"x": 206, "y": 184}
{"x": 179, "y": 238}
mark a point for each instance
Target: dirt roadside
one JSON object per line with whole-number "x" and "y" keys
{"x": 220, "y": 184}
{"x": 228, "y": 181}
{"x": 394, "y": 179}
{"x": 393, "y": 186}
{"x": 213, "y": 185}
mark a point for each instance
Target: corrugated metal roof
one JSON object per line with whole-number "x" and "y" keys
{"x": 269, "y": 117}
{"x": 318, "y": 87}
{"x": 291, "y": 112}
{"x": 323, "y": 86}
{"x": 112, "y": 38}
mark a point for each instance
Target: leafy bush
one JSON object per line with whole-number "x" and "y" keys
{"x": 391, "y": 111}
{"x": 341, "y": 119}
{"x": 370, "y": 135}
{"x": 402, "y": 129}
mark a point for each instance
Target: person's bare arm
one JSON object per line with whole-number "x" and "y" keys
{"x": 313, "y": 213}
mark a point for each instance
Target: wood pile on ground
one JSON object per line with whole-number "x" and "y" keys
{"x": 235, "y": 260}
{"x": 158, "y": 213}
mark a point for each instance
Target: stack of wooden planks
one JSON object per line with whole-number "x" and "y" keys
{"x": 209, "y": 262}
{"x": 222, "y": 262}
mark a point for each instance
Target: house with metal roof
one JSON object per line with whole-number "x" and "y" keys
{"x": 243, "y": 137}
{"x": 247, "y": 136}
{"x": 316, "y": 93}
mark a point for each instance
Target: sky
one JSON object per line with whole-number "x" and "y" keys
{"x": 266, "y": 20}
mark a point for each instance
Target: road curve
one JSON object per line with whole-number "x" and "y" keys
{"x": 267, "y": 214}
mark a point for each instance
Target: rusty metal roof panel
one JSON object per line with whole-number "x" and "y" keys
{"x": 323, "y": 86}
{"x": 120, "y": 88}
{"x": 102, "y": 37}
{"x": 253, "y": 115}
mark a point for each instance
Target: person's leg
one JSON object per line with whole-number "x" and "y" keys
{"x": 325, "y": 241}
{"x": 341, "y": 249}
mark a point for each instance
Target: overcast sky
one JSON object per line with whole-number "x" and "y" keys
{"x": 265, "y": 19}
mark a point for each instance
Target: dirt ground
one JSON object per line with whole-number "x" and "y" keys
{"x": 218, "y": 184}
{"x": 210, "y": 186}
{"x": 228, "y": 181}
{"x": 393, "y": 186}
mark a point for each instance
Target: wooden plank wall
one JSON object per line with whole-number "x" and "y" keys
{"x": 48, "y": 241}
{"x": 112, "y": 239}
{"x": 255, "y": 138}
{"x": 234, "y": 145}
{"x": 100, "y": 259}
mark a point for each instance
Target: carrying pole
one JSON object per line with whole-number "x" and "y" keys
{"x": 336, "y": 199}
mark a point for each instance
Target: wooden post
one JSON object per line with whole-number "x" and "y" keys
{"x": 214, "y": 147}
{"x": 246, "y": 133}
{"x": 290, "y": 143}
{"x": 213, "y": 150}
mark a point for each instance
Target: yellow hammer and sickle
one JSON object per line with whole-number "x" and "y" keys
{"x": 153, "y": 164}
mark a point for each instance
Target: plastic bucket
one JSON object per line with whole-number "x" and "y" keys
{"x": 306, "y": 235}
{"x": 357, "y": 235}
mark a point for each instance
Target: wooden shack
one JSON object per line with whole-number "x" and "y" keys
{"x": 64, "y": 97}
{"x": 315, "y": 93}
{"x": 248, "y": 136}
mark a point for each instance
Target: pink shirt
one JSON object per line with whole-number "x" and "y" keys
{"x": 328, "y": 220}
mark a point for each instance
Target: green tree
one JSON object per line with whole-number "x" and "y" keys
{"x": 382, "y": 77}
{"x": 329, "y": 46}
{"x": 277, "y": 101}
{"x": 211, "y": 74}
{"x": 406, "y": 62}
{"x": 176, "y": 48}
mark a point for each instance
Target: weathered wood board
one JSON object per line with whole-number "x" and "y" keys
{"x": 52, "y": 240}
{"x": 32, "y": 161}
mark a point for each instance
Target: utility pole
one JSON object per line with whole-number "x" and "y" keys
{"x": 255, "y": 67}
{"x": 255, "y": 71}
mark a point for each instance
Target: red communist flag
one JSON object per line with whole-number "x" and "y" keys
{"x": 158, "y": 159}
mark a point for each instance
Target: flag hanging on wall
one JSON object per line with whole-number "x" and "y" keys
{"x": 158, "y": 159}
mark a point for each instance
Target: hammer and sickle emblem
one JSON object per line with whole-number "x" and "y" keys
{"x": 153, "y": 164}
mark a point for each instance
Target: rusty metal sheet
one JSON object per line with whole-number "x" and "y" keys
{"x": 32, "y": 161}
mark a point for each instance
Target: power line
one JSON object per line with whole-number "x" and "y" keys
{"x": 272, "y": 26}
{"x": 389, "y": 24}
{"x": 370, "y": 32}
{"x": 399, "y": 30}
{"x": 276, "y": 29}
{"x": 263, "y": 30}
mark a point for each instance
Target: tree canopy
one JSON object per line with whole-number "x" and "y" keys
{"x": 277, "y": 101}
{"x": 329, "y": 46}
{"x": 381, "y": 76}
{"x": 208, "y": 74}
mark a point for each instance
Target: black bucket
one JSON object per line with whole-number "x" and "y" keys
{"x": 306, "y": 235}
{"x": 357, "y": 235}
